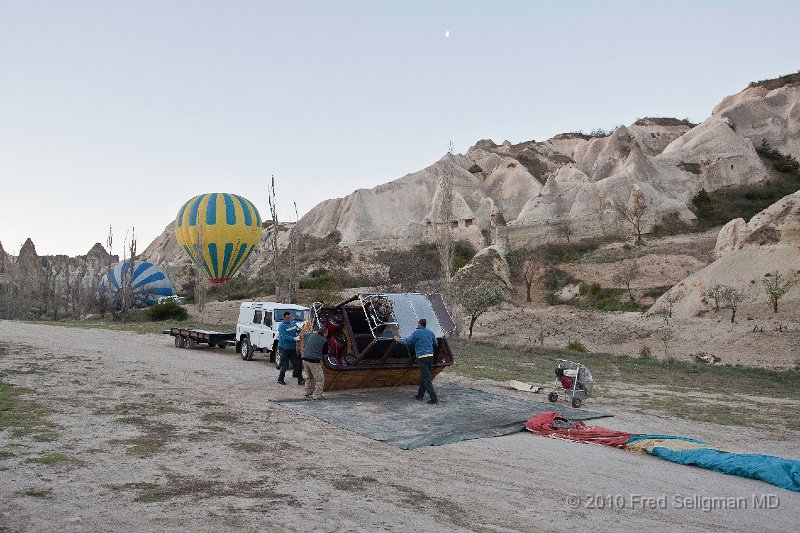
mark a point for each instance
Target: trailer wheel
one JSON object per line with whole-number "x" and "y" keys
{"x": 246, "y": 349}
{"x": 222, "y": 346}
{"x": 179, "y": 341}
{"x": 553, "y": 397}
{"x": 576, "y": 402}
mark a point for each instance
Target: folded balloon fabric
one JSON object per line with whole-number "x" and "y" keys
{"x": 784, "y": 473}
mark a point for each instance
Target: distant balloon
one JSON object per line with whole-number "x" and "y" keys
{"x": 150, "y": 282}
{"x": 218, "y": 231}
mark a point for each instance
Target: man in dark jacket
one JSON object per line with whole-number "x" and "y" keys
{"x": 315, "y": 345}
{"x": 288, "y": 335}
{"x": 424, "y": 342}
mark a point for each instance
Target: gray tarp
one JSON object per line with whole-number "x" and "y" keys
{"x": 392, "y": 415}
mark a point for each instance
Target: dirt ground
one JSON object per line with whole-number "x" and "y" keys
{"x": 153, "y": 438}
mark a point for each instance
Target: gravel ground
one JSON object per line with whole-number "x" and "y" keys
{"x": 159, "y": 439}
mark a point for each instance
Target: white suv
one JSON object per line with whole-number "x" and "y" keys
{"x": 257, "y": 327}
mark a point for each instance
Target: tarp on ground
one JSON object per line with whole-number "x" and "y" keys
{"x": 392, "y": 415}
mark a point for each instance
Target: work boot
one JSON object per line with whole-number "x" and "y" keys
{"x": 281, "y": 382}
{"x": 418, "y": 398}
{"x": 433, "y": 401}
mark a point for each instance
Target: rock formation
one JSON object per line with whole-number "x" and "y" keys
{"x": 746, "y": 254}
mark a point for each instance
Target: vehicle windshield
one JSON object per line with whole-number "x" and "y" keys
{"x": 297, "y": 314}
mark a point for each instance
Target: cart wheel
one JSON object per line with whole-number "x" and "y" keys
{"x": 246, "y": 349}
{"x": 576, "y": 402}
{"x": 179, "y": 341}
{"x": 553, "y": 397}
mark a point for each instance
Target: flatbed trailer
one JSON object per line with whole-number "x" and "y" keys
{"x": 189, "y": 338}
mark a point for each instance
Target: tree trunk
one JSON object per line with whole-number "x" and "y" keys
{"x": 472, "y": 320}
{"x": 528, "y": 288}
{"x": 733, "y": 315}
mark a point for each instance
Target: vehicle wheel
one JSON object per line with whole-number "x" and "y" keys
{"x": 553, "y": 397}
{"x": 246, "y": 349}
{"x": 222, "y": 346}
{"x": 278, "y": 358}
{"x": 576, "y": 402}
{"x": 179, "y": 341}
{"x": 189, "y": 342}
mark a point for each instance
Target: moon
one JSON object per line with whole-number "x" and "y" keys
{"x": 447, "y": 34}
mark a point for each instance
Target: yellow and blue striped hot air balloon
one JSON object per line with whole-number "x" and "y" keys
{"x": 218, "y": 231}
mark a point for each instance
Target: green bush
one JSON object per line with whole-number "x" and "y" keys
{"x": 168, "y": 310}
{"x": 645, "y": 352}
{"x": 323, "y": 281}
{"x": 577, "y": 346}
{"x": 591, "y": 289}
{"x": 556, "y": 279}
{"x": 743, "y": 201}
{"x": 463, "y": 252}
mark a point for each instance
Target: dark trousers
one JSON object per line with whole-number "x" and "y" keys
{"x": 297, "y": 367}
{"x": 426, "y": 377}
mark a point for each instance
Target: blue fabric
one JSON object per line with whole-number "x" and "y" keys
{"x": 423, "y": 340}
{"x": 784, "y": 473}
{"x": 287, "y": 331}
{"x": 640, "y": 437}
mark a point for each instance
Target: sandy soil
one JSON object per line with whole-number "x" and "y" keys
{"x": 187, "y": 440}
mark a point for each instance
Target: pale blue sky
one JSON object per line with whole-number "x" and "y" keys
{"x": 117, "y": 112}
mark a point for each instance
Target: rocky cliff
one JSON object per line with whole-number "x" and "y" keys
{"x": 747, "y": 253}
{"x": 533, "y": 186}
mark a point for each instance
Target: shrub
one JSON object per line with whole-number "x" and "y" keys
{"x": 556, "y": 279}
{"x": 577, "y": 346}
{"x": 169, "y": 310}
{"x": 645, "y": 352}
{"x": 694, "y": 168}
{"x": 743, "y": 201}
{"x": 322, "y": 281}
{"x": 463, "y": 251}
{"x": 591, "y": 289}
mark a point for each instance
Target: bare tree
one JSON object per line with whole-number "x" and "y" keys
{"x": 477, "y": 299}
{"x": 126, "y": 276}
{"x": 565, "y": 228}
{"x": 525, "y": 267}
{"x": 273, "y": 239}
{"x": 775, "y": 288}
{"x": 732, "y": 297}
{"x": 294, "y": 276}
{"x": 633, "y": 212}
{"x": 665, "y": 335}
{"x": 626, "y": 274}
{"x": 715, "y": 293}
{"x": 445, "y": 241}
{"x": 671, "y": 299}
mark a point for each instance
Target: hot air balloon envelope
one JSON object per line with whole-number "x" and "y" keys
{"x": 150, "y": 283}
{"x": 218, "y": 231}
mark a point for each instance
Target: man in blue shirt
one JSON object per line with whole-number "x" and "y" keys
{"x": 424, "y": 342}
{"x": 288, "y": 333}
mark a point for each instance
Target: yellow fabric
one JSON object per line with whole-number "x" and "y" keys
{"x": 647, "y": 445}
{"x": 424, "y": 355}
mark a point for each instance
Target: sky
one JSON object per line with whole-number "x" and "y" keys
{"x": 114, "y": 113}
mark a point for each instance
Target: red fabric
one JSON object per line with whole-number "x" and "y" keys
{"x": 567, "y": 382}
{"x": 542, "y": 424}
